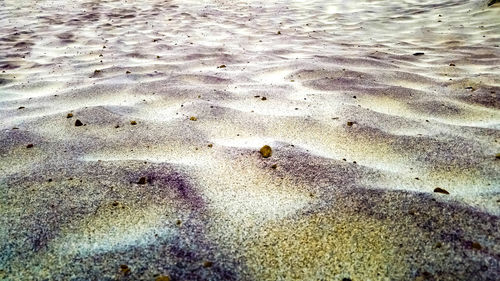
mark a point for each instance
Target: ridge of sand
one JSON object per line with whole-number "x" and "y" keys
{"x": 369, "y": 106}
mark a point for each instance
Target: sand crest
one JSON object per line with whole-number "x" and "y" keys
{"x": 249, "y": 140}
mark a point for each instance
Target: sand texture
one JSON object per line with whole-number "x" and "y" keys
{"x": 132, "y": 140}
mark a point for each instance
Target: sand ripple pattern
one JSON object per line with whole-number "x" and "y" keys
{"x": 369, "y": 106}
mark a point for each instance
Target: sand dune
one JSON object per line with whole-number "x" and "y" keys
{"x": 369, "y": 107}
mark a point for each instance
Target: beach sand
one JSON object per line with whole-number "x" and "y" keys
{"x": 130, "y": 137}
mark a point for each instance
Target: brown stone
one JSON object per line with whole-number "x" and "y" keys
{"x": 440, "y": 190}
{"x": 162, "y": 278}
{"x": 142, "y": 180}
{"x": 266, "y": 151}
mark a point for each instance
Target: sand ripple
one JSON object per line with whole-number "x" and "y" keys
{"x": 369, "y": 106}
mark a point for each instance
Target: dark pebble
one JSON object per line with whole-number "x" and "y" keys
{"x": 476, "y": 245}
{"x": 125, "y": 269}
{"x": 440, "y": 190}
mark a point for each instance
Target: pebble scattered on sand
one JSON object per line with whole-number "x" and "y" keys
{"x": 78, "y": 123}
{"x": 476, "y": 246}
{"x": 124, "y": 269}
{"x": 162, "y": 278}
{"x": 266, "y": 151}
{"x": 440, "y": 190}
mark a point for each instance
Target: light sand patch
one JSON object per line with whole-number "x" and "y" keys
{"x": 317, "y": 247}
{"x": 115, "y": 226}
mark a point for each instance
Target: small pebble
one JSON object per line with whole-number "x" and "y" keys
{"x": 78, "y": 123}
{"x": 440, "y": 190}
{"x": 266, "y": 151}
{"x": 350, "y": 123}
{"x": 162, "y": 278}
{"x": 69, "y": 115}
{"x": 124, "y": 269}
{"x": 476, "y": 245}
{"x": 133, "y": 123}
{"x": 207, "y": 264}
{"x": 29, "y": 145}
{"x": 418, "y": 54}
{"x": 142, "y": 180}
{"x": 193, "y": 118}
